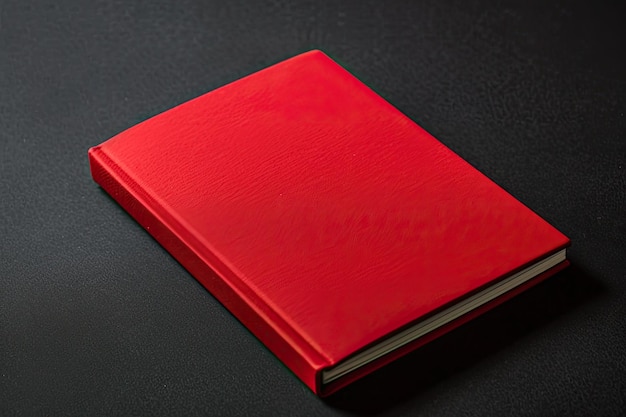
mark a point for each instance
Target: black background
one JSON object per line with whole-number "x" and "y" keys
{"x": 97, "y": 319}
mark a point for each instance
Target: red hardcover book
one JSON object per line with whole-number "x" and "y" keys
{"x": 337, "y": 230}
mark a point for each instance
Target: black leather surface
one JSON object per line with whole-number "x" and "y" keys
{"x": 97, "y": 319}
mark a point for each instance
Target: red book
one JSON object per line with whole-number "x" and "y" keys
{"x": 337, "y": 230}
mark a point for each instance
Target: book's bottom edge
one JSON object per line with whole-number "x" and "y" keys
{"x": 332, "y": 387}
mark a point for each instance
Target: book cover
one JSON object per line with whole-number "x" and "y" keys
{"x": 337, "y": 230}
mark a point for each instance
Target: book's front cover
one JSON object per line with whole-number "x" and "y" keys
{"x": 339, "y": 213}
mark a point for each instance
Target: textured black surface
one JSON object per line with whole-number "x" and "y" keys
{"x": 97, "y": 319}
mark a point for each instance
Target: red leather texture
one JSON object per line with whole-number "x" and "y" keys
{"x": 316, "y": 212}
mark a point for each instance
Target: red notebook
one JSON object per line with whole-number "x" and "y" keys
{"x": 337, "y": 230}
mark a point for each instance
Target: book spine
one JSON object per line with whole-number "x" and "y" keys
{"x": 214, "y": 275}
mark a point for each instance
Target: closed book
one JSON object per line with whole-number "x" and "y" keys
{"x": 337, "y": 230}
